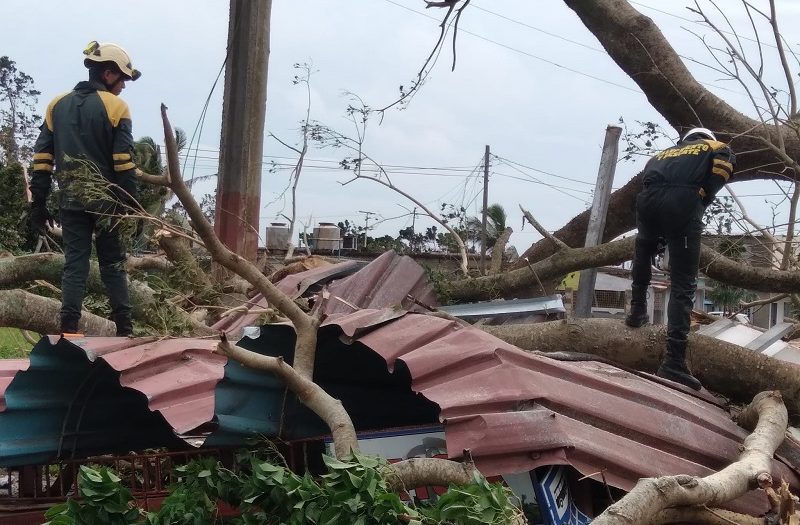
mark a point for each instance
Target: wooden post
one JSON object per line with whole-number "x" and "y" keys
{"x": 597, "y": 217}
{"x": 482, "y": 267}
{"x": 244, "y": 107}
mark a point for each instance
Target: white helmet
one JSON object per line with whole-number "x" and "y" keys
{"x": 707, "y": 133}
{"x": 108, "y": 52}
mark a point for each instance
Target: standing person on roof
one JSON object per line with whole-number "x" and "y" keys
{"x": 678, "y": 184}
{"x": 90, "y": 125}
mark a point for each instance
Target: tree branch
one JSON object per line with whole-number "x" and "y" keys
{"x": 330, "y": 410}
{"x": 561, "y": 245}
{"x": 652, "y": 495}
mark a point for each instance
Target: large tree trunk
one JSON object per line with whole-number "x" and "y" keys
{"x": 639, "y": 48}
{"x": 28, "y": 311}
{"x": 147, "y": 306}
{"x": 532, "y": 279}
{"x": 728, "y": 369}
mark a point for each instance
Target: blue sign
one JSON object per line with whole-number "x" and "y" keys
{"x": 551, "y": 486}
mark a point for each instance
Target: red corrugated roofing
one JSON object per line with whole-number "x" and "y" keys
{"x": 515, "y": 410}
{"x": 511, "y": 409}
{"x": 178, "y": 376}
{"x": 389, "y": 280}
{"x": 8, "y": 369}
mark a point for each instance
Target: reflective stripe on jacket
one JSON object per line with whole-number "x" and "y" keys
{"x": 704, "y": 164}
{"x": 89, "y": 124}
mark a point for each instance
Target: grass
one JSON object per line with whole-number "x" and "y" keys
{"x": 12, "y": 344}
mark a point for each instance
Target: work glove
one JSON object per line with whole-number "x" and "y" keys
{"x": 40, "y": 217}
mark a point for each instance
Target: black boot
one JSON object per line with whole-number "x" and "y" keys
{"x": 124, "y": 325}
{"x": 69, "y": 326}
{"x": 673, "y": 367}
{"x": 637, "y": 316}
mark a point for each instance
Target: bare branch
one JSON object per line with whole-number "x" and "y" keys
{"x": 305, "y": 326}
{"x": 773, "y": 19}
{"x": 461, "y": 247}
{"x": 539, "y": 228}
{"x": 418, "y": 472}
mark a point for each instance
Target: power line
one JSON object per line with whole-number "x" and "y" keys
{"x": 702, "y": 24}
{"x": 551, "y": 186}
{"x": 537, "y": 170}
{"x": 465, "y": 169}
{"x": 540, "y": 30}
{"x": 531, "y": 55}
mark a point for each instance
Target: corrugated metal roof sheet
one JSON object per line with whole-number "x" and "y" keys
{"x": 544, "y": 305}
{"x": 767, "y": 342}
{"x": 389, "y": 280}
{"x": 97, "y": 394}
{"x": 8, "y": 369}
{"x": 515, "y": 410}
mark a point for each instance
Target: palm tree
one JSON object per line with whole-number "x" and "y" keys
{"x": 147, "y": 156}
{"x": 495, "y": 225}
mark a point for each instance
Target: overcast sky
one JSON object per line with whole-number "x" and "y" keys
{"x": 530, "y": 81}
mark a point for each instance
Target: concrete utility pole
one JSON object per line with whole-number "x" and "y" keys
{"x": 597, "y": 217}
{"x": 243, "y": 111}
{"x": 367, "y": 215}
{"x": 485, "y": 208}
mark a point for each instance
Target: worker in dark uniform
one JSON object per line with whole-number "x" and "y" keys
{"x": 89, "y": 126}
{"x": 679, "y": 183}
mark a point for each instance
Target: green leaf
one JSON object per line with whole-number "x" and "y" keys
{"x": 334, "y": 464}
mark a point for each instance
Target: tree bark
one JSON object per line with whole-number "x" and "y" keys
{"x": 20, "y": 309}
{"x": 639, "y": 48}
{"x": 722, "y": 367}
{"x": 419, "y": 472}
{"x": 652, "y": 495}
{"x": 14, "y": 271}
{"x": 498, "y": 251}
{"x": 183, "y": 260}
{"x": 532, "y": 278}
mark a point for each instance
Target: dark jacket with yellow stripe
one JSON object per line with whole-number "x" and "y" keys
{"x": 88, "y": 123}
{"x": 703, "y": 164}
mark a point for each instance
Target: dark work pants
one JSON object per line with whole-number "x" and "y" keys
{"x": 78, "y": 227}
{"x": 676, "y": 214}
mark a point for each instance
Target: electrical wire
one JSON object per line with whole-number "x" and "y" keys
{"x": 525, "y": 53}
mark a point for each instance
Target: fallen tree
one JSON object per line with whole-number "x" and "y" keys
{"x": 722, "y": 367}
{"x": 654, "y": 496}
{"x": 533, "y": 277}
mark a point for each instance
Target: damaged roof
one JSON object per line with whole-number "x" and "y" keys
{"x": 8, "y": 369}
{"x": 388, "y": 280}
{"x": 515, "y": 410}
{"x": 512, "y": 410}
{"x": 99, "y": 394}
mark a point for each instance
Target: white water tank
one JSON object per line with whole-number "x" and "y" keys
{"x": 277, "y": 236}
{"x": 327, "y": 237}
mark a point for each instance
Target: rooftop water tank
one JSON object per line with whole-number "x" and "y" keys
{"x": 327, "y": 237}
{"x": 277, "y": 236}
